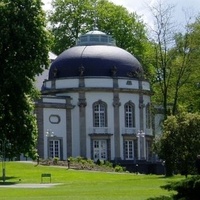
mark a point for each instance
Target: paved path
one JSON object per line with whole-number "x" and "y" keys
{"x": 20, "y": 185}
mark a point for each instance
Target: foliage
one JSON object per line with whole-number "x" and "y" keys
{"x": 119, "y": 168}
{"x": 174, "y": 63}
{"x": 55, "y": 160}
{"x": 188, "y": 189}
{"x": 89, "y": 14}
{"x": 162, "y": 38}
{"x": 24, "y": 48}
{"x": 169, "y": 57}
{"x": 179, "y": 144}
{"x": 68, "y": 19}
{"x": 192, "y": 87}
{"x": 84, "y": 163}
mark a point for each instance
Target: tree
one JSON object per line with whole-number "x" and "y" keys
{"x": 162, "y": 38}
{"x": 127, "y": 28}
{"x": 71, "y": 18}
{"x": 175, "y": 63}
{"x": 191, "y": 90}
{"x": 179, "y": 144}
{"x": 24, "y": 48}
{"x": 185, "y": 69}
{"x": 68, "y": 19}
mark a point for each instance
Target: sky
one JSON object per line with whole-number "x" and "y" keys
{"x": 191, "y": 7}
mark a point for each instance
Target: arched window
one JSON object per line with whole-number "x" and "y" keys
{"x": 100, "y": 114}
{"x": 148, "y": 116}
{"x": 129, "y": 115}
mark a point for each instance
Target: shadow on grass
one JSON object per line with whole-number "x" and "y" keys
{"x": 8, "y": 180}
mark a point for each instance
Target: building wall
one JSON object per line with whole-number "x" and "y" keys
{"x": 81, "y": 100}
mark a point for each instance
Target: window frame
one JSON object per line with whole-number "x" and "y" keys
{"x": 100, "y": 114}
{"x": 129, "y": 116}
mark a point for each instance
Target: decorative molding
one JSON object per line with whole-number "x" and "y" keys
{"x": 54, "y": 119}
{"x": 100, "y": 101}
{"x": 135, "y": 73}
{"x": 81, "y": 70}
{"x": 116, "y": 102}
{"x": 55, "y": 73}
{"x": 141, "y": 103}
{"x": 114, "y": 71}
{"x": 128, "y": 82}
{"x": 131, "y": 103}
{"x": 82, "y": 102}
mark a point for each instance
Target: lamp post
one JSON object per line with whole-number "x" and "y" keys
{"x": 3, "y": 144}
{"x": 141, "y": 144}
{"x": 49, "y": 133}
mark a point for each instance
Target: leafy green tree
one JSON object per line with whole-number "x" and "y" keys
{"x": 127, "y": 28}
{"x": 24, "y": 48}
{"x": 191, "y": 88}
{"x": 184, "y": 70}
{"x": 179, "y": 143}
{"x": 70, "y": 18}
{"x": 183, "y": 189}
{"x": 175, "y": 60}
{"x": 162, "y": 37}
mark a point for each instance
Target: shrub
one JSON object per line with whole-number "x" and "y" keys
{"x": 119, "y": 168}
{"x": 55, "y": 160}
{"x": 107, "y": 163}
{"x": 79, "y": 159}
{"x": 90, "y": 161}
{"x": 187, "y": 189}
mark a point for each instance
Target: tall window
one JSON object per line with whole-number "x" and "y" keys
{"x": 129, "y": 115}
{"x": 99, "y": 110}
{"x": 148, "y": 116}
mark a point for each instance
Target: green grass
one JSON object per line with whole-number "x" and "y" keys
{"x": 80, "y": 185}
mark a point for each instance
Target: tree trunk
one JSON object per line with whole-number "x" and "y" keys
{"x": 168, "y": 168}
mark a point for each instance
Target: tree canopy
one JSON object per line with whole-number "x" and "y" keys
{"x": 70, "y": 18}
{"x": 179, "y": 143}
{"x": 175, "y": 64}
{"x": 24, "y": 48}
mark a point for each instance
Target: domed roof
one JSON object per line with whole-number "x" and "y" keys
{"x": 95, "y": 55}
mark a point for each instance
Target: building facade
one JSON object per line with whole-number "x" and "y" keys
{"x": 95, "y": 104}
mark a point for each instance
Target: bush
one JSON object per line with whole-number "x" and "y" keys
{"x": 107, "y": 163}
{"x": 119, "y": 168}
{"x": 55, "y": 160}
{"x": 187, "y": 189}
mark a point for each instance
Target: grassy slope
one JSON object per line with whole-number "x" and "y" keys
{"x": 83, "y": 185}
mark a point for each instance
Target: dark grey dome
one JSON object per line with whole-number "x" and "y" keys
{"x": 95, "y": 55}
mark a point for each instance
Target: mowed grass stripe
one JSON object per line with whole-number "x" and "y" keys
{"x": 78, "y": 184}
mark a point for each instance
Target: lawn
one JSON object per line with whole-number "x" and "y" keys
{"x": 80, "y": 185}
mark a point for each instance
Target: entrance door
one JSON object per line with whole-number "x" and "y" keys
{"x": 129, "y": 149}
{"x": 54, "y": 148}
{"x": 100, "y": 149}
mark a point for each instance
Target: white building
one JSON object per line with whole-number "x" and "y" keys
{"x": 95, "y": 104}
